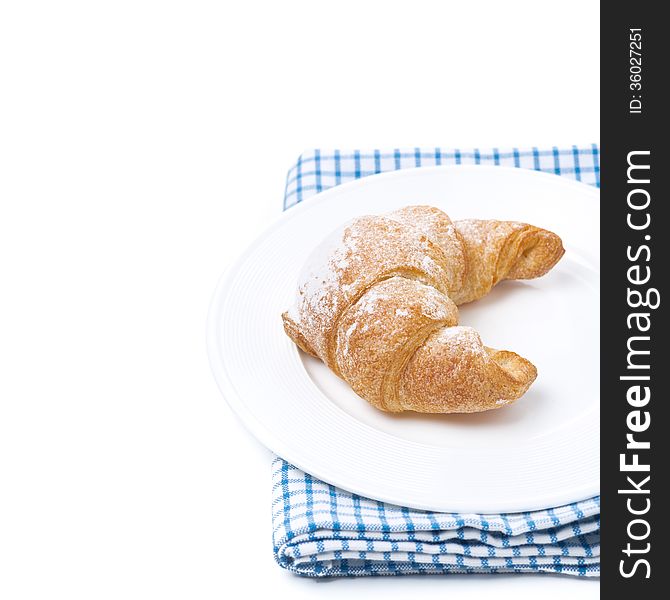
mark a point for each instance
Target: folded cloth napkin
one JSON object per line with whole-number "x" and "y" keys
{"x": 323, "y": 531}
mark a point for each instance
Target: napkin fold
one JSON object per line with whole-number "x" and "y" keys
{"x": 323, "y": 531}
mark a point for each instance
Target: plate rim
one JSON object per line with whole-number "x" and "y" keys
{"x": 266, "y": 436}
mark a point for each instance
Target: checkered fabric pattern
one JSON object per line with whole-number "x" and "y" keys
{"x": 318, "y": 170}
{"x": 323, "y": 531}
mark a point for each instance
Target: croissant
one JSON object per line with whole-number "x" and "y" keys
{"x": 377, "y": 302}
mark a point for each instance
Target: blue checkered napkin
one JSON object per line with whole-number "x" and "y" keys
{"x": 318, "y": 170}
{"x": 320, "y": 530}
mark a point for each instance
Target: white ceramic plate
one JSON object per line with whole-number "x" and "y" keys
{"x": 541, "y": 451}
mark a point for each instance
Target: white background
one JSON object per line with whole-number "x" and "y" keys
{"x": 142, "y": 145}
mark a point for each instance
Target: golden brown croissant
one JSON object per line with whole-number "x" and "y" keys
{"x": 377, "y": 303}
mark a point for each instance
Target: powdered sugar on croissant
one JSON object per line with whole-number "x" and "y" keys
{"x": 377, "y": 303}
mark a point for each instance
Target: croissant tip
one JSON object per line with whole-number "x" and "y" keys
{"x": 539, "y": 251}
{"x": 292, "y": 330}
{"x": 521, "y": 372}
